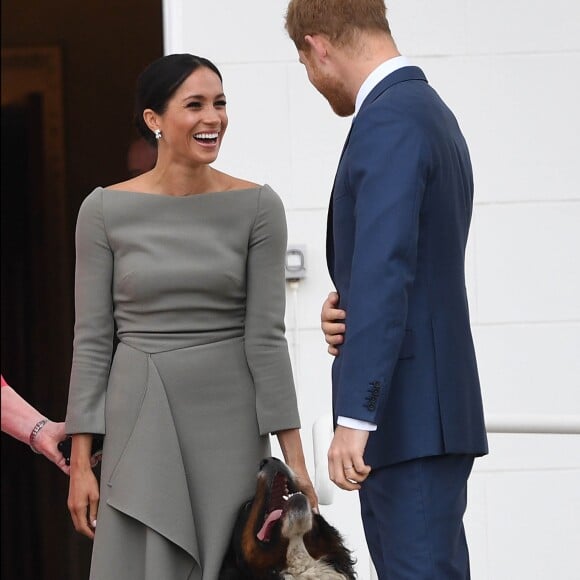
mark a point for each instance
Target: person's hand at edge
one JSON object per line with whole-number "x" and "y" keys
{"x": 46, "y": 442}
{"x": 26, "y": 424}
{"x": 332, "y": 323}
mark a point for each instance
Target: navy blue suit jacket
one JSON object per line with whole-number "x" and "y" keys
{"x": 398, "y": 224}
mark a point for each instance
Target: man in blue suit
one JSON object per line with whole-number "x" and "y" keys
{"x": 406, "y": 395}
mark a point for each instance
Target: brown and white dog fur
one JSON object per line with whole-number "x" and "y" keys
{"x": 277, "y": 536}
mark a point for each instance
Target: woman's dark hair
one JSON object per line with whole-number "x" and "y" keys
{"x": 159, "y": 81}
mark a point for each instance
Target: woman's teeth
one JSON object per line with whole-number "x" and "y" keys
{"x": 206, "y": 136}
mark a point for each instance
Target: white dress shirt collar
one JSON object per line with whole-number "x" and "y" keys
{"x": 383, "y": 70}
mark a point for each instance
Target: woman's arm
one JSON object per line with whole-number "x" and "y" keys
{"x": 83, "y": 496}
{"x": 266, "y": 346}
{"x": 93, "y": 347}
{"x": 25, "y": 423}
{"x": 94, "y": 325}
{"x": 291, "y": 445}
{"x": 264, "y": 337}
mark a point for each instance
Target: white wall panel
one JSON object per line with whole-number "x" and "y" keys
{"x": 229, "y": 31}
{"x": 527, "y": 262}
{"x": 530, "y": 453}
{"x": 455, "y": 27}
{"x": 516, "y": 529}
{"x": 530, "y": 535}
{"x": 515, "y": 26}
{"x": 529, "y": 368}
{"x": 424, "y": 27}
{"x": 523, "y": 509}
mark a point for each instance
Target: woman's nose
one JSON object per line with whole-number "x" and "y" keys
{"x": 212, "y": 117}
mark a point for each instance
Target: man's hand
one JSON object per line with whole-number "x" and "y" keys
{"x": 332, "y": 323}
{"x": 346, "y": 466}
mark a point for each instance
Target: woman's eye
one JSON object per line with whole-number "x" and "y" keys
{"x": 194, "y": 105}
{"x": 220, "y": 103}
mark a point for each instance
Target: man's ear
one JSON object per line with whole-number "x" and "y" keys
{"x": 317, "y": 45}
{"x": 150, "y": 117}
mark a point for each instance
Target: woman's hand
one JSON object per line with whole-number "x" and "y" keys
{"x": 332, "y": 323}
{"x": 291, "y": 445}
{"x": 19, "y": 418}
{"x": 46, "y": 442}
{"x": 83, "y": 495}
{"x": 305, "y": 484}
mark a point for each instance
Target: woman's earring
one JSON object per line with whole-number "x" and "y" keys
{"x": 157, "y": 133}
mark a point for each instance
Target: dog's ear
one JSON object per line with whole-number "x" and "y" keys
{"x": 329, "y": 540}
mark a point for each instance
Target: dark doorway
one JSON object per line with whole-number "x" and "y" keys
{"x": 32, "y": 349}
{"x": 100, "y": 53}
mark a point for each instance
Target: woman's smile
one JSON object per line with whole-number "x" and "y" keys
{"x": 209, "y": 139}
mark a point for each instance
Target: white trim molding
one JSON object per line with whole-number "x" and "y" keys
{"x": 173, "y": 26}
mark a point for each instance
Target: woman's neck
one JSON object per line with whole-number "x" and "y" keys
{"x": 184, "y": 180}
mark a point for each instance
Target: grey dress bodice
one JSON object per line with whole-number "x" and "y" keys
{"x": 173, "y": 272}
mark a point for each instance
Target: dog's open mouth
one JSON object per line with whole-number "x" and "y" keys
{"x": 281, "y": 490}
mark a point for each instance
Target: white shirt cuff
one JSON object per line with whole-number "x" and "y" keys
{"x": 356, "y": 424}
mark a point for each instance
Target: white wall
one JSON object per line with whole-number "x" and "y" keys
{"x": 510, "y": 70}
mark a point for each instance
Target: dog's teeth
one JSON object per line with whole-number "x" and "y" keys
{"x": 286, "y": 497}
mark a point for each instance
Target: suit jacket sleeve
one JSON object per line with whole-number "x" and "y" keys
{"x": 265, "y": 342}
{"x": 94, "y": 326}
{"x": 387, "y": 166}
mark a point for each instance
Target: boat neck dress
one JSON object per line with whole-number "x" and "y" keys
{"x": 201, "y": 376}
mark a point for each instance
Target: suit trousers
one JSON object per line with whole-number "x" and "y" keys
{"x": 412, "y": 515}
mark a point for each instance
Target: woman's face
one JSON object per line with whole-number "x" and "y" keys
{"x": 195, "y": 120}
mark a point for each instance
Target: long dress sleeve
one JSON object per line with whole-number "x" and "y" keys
{"x": 265, "y": 342}
{"x": 94, "y": 326}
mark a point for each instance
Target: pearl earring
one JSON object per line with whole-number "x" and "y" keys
{"x": 157, "y": 134}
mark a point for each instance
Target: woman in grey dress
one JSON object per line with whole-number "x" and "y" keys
{"x": 188, "y": 262}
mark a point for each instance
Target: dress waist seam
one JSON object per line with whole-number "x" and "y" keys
{"x": 201, "y": 346}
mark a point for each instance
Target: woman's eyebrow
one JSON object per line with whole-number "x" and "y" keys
{"x": 202, "y": 97}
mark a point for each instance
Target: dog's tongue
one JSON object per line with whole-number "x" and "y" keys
{"x": 273, "y": 517}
